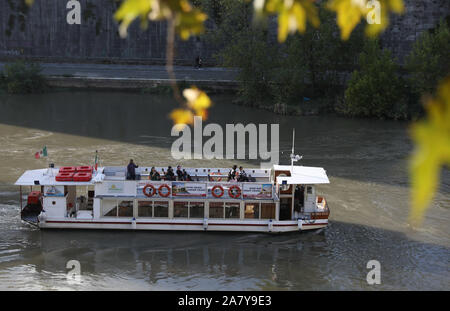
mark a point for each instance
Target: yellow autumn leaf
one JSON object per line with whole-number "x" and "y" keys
{"x": 190, "y": 23}
{"x": 188, "y": 20}
{"x": 383, "y": 8}
{"x": 197, "y": 100}
{"x": 432, "y": 140}
{"x": 351, "y": 12}
{"x": 182, "y": 117}
{"x": 292, "y": 15}
{"x": 130, "y": 10}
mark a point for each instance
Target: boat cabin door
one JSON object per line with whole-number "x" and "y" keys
{"x": 285, "y": 208}
{"x": 310, "y": 199}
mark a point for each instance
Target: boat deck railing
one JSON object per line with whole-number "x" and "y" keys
{"x": 196, "y": 174}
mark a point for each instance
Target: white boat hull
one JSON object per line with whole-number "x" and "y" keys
{"x": 185, "y": 225}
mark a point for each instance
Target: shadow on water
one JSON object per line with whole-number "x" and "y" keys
{"x": 333, "y": 258}
{"x": 376, "y": 150}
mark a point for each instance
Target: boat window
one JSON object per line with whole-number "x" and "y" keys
{"x": 145, "y": 208}
{"x": 252, "y": 210}
{"x": 126, "y": 209}
{"x": 267, "y": 210}
{"x": 180, "y": 209}
{"x": 309, "y": 190}
{"x": 161, "y": 209}
{"x": 232, "y": 210}
{"x": 196, "y": 210}
{"x": 109, "y": 208}
{"x": 216, "y": 210}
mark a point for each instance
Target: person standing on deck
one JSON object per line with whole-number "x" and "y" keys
{"x": 131, "y": 170}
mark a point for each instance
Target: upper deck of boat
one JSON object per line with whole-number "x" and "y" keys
{"x": 295, "y": 175}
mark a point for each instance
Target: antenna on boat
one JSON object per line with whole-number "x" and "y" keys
{"x": 294, "y": 157}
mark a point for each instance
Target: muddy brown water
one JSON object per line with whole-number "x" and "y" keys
{"x": 366, "y": 161}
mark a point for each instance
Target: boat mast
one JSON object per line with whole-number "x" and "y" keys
{"x": 292, "y": 153}
{"x": 294, "y": 157}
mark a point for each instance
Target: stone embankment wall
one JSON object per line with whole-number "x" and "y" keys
{"x": 42, "y": 32}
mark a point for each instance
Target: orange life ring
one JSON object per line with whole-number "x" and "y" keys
{"x": 234, "y": 195}
{"x": 149, "y": 194}
{"x": 164, "y": 195}
{"x": 221, "y": 191}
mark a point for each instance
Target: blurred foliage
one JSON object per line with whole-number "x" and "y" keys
{"x": 432, "y": 140}
{"x": 187, "y": 19}
{"x": 22, "y": 78}
{"x": 351, "y": 12}
{"x": 197, "y": 104}
{"x": 292, "y": 15}
{"x": 376, "y": 89}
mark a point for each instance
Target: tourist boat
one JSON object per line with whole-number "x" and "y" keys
{"x": 280, "y": 199}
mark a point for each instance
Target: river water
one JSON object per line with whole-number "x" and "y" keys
{"x": 366, "y": 161}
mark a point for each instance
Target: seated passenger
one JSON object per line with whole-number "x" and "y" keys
{"x": 184, "y": 175}
{"x": 154, "y": 175}
{"x": 170, "y": 175}
{"x": 232, "y": 173}
{"x": 187, "y": 177}
{"x": 180, "y": 174}
{"x": 242, "y": 175}
{"x": 251, "y": 179}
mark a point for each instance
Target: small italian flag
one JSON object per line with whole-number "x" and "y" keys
{"x": 42, "y": 153}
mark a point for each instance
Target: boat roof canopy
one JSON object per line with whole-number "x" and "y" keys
{"x": 299, "y": 175}
{"x": 302, "y": 175}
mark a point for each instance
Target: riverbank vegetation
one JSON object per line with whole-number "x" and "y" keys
{"x": 376, "y": 89}
{"x": 22, "y": 78}
{"x": 316, "y": 72}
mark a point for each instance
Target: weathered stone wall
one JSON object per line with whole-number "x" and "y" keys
{"x": 42, "y": 32}
{"x": 419, "y": 16}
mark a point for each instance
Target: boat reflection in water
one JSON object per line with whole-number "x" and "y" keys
{"x": 191, "y": 260}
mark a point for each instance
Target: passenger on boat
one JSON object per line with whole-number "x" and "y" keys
{"x": 131, "y": 170}
{"x": 170, "y": 175}
{"x": 154, "y": 175}
{"x": 180, "y": 174}
{"x": 186, "y": 176}
{"x": 251, "y": 179}
{"x": 232, "y": 173}
{"x": 242, "y": 175}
